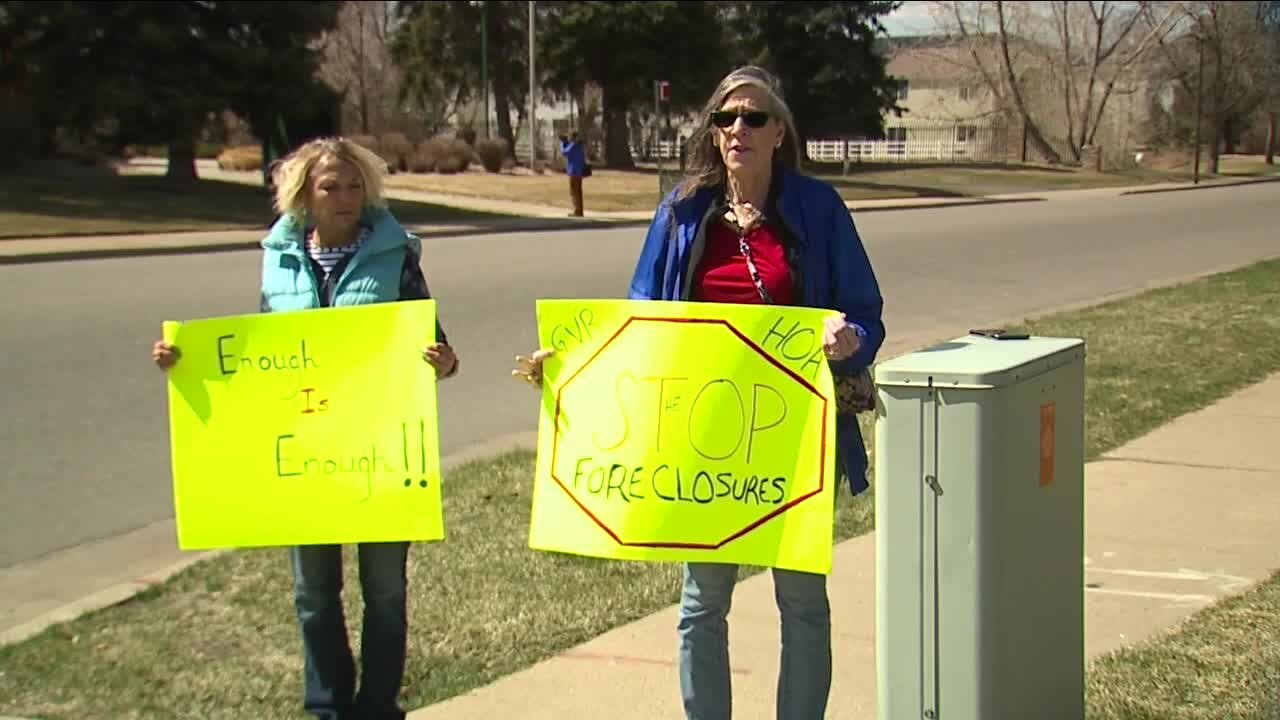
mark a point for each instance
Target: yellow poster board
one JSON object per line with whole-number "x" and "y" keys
{"x": 679, "y": 431}
{"x": 308, "y": 427}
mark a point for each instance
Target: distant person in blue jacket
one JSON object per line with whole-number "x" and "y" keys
{"x": 575, "y": 166}
{"x": 336, "y": 244}
{"x": 745, "y": 226}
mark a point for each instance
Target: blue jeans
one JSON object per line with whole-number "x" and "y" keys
{"x": 804, "y": 679}
{"x": 330, "y": 673}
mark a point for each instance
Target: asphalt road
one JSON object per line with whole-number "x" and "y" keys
{"x": 85, "y": 433}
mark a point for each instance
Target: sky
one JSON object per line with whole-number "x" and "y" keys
{"x": 911, "y": 19}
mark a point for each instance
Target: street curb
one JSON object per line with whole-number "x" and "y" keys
{"x": 143, "y": 233}
{"x": 113, "y": 252}
{"x": 528, "y": 225}
{"x": 1208, "y": 186}
{"x": 100, "y": 600}
{"x": 944, "y": 204}
{"x": 197, "y": 248}
{"x": 123, "y": 592}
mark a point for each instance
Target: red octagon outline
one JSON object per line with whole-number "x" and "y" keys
{"x": 555, "y": 443}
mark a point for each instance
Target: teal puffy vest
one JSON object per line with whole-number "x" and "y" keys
{"x": 371, "y": 276}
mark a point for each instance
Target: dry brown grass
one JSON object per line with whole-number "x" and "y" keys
{"x": 93, "y": 205}
{"x": 630, "y": 190}
{"x": 605, "y": 190}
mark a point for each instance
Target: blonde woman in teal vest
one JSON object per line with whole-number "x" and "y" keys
{"x": 336, "y": 244}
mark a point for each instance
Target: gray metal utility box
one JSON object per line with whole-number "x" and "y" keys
{"x": 979, "y": 482}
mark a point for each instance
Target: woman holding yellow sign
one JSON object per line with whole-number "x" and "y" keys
{"x": 746, "y": 227}
{"x": 336, "y": 244}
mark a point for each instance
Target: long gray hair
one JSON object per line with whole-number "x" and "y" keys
{"x": 706, "y": 167}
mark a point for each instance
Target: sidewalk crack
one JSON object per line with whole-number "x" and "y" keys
{"x": 1198, "y": 466}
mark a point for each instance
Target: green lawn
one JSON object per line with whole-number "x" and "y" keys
{"x": 220, "y": 640}
{"x": 1223, "y": 663}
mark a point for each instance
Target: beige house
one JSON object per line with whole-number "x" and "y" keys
{"x": 939, "y": 86}
{"x": 949, "y": 114}
{"x": 944, "y": 93}
{"x": 948, "y": 111}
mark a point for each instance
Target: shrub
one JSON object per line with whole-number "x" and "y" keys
{"x": 422, "y": 160}
{"x": 243, "y": 157}
{"x": 492, "y": 152}
{"x": 206, "y": 150}
{"x": 450, "y": 164}
{"x": 467, "y": 134}
{"x": 458, "y": 153}
{"x": 149, "y": 151}
{"x": 367, "y": 141}
{"x": 426, "y": 156}
{"x": 396, "y": 150}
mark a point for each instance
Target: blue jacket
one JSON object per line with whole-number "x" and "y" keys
{"x": 575, "y": 158}
{"x": 833, "y": 267}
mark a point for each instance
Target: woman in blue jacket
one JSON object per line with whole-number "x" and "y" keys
{"x": 336, "y": 244}
{"x": 746, "y": 227}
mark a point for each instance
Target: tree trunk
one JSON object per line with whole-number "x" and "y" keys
{"x": 617, "y": 148}
{"x": 1041, "y": 145}
{"x": 1036, "y": 138}
{"x": 361, "y": 58}
{"x": 1215, "y": 144}
{"x": 499, "y": 28}
{"x": 502, "y": 106}
{"x": 1228, "y": 145}
{"x": 1271, "y": 138}
{"x": 182, "y": 161}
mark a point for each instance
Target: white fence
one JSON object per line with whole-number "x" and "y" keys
{"x": 895, "y": 151}
{"x": 913, "y": 144}
{"x": 657, "y": 150}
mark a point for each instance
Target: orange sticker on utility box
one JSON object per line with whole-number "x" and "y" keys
{"x": 1046, "y": 444}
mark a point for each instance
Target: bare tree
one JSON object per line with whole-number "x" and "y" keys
{"x": 1270, "y": 16}
{"x": 1219, "y": 56}
{"x": 1102, "y": 47}
{"x": 984, "y": 28}
{"x": 1084, "y": 49}
{"x": 358, "y": 61}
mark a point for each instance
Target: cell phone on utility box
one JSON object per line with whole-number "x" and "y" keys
{"x": 999, "y": 334}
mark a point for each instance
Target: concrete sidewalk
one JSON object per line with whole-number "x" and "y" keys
{"x": 1175, "y": 521}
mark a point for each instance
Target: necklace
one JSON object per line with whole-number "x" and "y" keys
{"x": 743, "y": 215}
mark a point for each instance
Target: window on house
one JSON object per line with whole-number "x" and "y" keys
{"x": 895, "y": 134}
{"x": 966, "y": 133}
{"x": 966, "y": 92}
{"x": 902, "y": 90}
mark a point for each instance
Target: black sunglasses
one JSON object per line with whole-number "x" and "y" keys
{"x": 726, "y": 118}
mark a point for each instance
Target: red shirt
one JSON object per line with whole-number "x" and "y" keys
{"x": 722, "y": 276}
